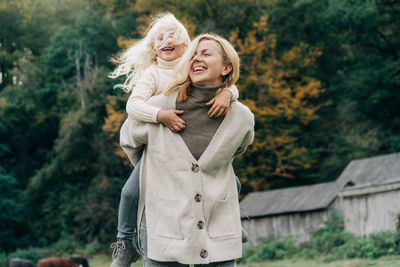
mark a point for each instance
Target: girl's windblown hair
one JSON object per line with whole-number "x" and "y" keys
{"x": 137, "y": 58}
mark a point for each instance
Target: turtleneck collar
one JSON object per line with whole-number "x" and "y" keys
{"x": 203, "y": 94}
{"x": 167, "y": 64}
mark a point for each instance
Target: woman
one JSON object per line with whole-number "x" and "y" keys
{"x": 187, "y": 183}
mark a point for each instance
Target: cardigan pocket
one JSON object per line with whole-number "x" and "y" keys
{"x": 221, "y": 222}
{"x": 168, "y": 223}
{"x": 170, "y": 169}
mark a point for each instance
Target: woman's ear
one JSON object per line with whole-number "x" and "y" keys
{"x": 226, "y": 70}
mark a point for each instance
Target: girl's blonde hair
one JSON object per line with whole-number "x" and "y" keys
{"x": 182, "y": 79}
{"x": 137, "y": 58}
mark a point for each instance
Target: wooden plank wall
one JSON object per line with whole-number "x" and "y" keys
{"x": 373, "y": 212}
{"x": 299, "y": 225}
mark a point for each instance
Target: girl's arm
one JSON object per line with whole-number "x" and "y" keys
{"x": 143, "y": 90}
{"x": 139, "y": 109}
{"x": 221, "y": 102}
{"x": 235, "y": 92}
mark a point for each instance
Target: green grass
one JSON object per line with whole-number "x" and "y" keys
{"x": 105, "y": 261}
{"x": 389, "y": 261}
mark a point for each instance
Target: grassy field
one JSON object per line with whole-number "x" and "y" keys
{"x": 104, "y": 261}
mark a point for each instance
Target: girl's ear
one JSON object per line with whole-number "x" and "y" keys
{"x": 227, "y": 69}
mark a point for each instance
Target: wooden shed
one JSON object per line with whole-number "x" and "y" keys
{"x": 370, "y": 196}
{"x": 367, "y": 193}
{"x": 292, "y": 211}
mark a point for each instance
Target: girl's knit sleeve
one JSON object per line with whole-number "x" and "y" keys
{"x": 143, "y": 90}
{"x": 235, "y": 92}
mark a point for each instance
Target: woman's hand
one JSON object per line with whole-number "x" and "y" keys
{"x": 220, "y": 104}
{"x": 170, "y": 119}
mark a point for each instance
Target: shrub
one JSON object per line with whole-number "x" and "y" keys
{"x": 33, "y": 254}
{"x": 93, "y": 248}
{"x": 270, "y": 248}
{"x": 354, "y": 247}
{"x": 61, "y": 248}
{"x": 380, "y": 244}
{"x": 3, "y": 259}
{"x": 65, "y": 246}
{"x": 331, "y": 234}
{"x": 247, "y": 255}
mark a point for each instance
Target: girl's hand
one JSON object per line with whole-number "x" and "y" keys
{"x": 170, "y": 119}
{"x": 220, "y": 104}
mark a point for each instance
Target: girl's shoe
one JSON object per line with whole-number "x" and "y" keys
{"x": 125, "y": 252}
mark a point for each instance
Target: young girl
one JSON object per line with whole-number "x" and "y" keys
{"x": 149, "y": 66}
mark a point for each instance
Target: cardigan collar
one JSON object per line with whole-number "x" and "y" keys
{"x": 211, "y": 148}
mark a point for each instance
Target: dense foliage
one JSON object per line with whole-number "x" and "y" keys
{"x": 322, "y": 78}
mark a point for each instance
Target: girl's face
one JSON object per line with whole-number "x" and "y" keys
{"x": 206, "y": 66}
{"x": 165, "y": 48}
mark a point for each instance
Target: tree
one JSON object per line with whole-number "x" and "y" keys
{"x": 284, "y": 100}
{"x": 12, "y": 228}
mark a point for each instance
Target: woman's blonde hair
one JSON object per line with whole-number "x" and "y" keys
{"x": 182, "y": 79}
{"x": 137, "y": 58}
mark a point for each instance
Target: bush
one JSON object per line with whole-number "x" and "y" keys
{"x": 65, "y": 247}
{"x": 354, "y": 248}
{"x": 331, "y": 234}
{"x": 3, "y": 259}
{"x": 33, "y": 254}
{"x": 380, "y": 244}
{"x": 271, "y": 248}
{"x": 93, "y": 248}
{"x": 328, "y": 239}
{"x": 248, "y": 255}
{"x": 62, "y": 248}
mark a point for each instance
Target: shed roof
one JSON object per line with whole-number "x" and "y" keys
{"x": 289, "y": 200}
{"x": 372, "y": 171}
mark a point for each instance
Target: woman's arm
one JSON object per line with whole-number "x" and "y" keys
{"x": 133, "y": 138}
{"x": 247, "y": 140}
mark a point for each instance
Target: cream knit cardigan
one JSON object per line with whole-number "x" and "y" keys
{"x": 179, "y": 192}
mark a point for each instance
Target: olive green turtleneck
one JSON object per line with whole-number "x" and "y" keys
{"x": 200, "y": 128}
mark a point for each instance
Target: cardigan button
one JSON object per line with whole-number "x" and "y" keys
{"x": 200, "y": 225}
{"x": 203, "y": 253}
{"x": 195, "y": 167}
{"x": 198, "y": 197}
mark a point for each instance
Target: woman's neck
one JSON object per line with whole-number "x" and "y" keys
{"x": 203, "y": 93}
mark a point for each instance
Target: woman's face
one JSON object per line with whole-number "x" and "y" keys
{"x": 206, "y": 66}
